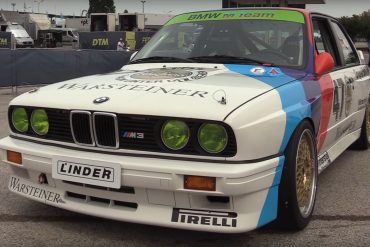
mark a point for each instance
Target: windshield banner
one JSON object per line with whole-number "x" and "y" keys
{"x": 5, "y": 40}
{"x": 242, "y": 14}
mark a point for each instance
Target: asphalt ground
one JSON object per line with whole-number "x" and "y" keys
{"x": 341, "y": 216}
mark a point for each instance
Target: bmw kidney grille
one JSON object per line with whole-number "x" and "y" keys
{"x": 97, "y": 129}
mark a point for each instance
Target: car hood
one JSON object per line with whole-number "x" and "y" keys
{"x": 203, "y": 91}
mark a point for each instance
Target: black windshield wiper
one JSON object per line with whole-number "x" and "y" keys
{"x": 159, "y": 59}
{"x": 230, "y": 59}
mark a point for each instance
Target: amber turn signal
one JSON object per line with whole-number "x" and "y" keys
{"x": 14, "y": 157}
{"x": 199, "y": 183}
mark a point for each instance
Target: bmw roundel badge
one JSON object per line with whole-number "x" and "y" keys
{"x": 100, "y": 100}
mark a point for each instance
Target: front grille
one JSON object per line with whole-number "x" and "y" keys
{"x": 106, "y": 130}
{"x": 99, "y": 129}
{"x": 81, "y": 127}
{"x": 120, "y": 131}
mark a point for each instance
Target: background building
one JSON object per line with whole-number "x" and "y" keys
{"x": 269, "y": 3}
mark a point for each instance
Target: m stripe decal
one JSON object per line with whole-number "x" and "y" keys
{"x": 296, "y": 107}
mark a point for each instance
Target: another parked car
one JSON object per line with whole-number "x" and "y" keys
{"x": 22, "y": 38}
{"x": 69, "y": 35}
{"x": 222, "y": 123}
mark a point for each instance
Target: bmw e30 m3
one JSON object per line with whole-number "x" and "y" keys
{"x": 222, "y": 122}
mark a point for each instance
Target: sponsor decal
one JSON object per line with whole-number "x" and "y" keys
{"x": 163, "y": 75}
{"x": 324, "y": 161}
{"x": 100, "y": 100}
{"x": 364, "y": 72}
{"x": 94, "y": 172}
{"x": 206, "y": 218}
{"x": 137, "y": 88}
{"x": 281, "y": 15}
{"x": 17, "y": 185}
{"x": 273, "y": 71}
{"x": 362, "y": 103}
{"x": 343, "y": 97}
{"x": 100, "y": 173}
{"x": 258, "y": 70}
{"x": 132, "y": 135}
{"x": 346, "y": 129}
{"x": 100, "y": 42}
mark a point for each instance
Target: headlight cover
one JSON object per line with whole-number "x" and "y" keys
{"x": 175, "y": 134}
{"x": 212, "y": 138}
{"x": 40, "y": 122}
{"x": 20, "y": 119}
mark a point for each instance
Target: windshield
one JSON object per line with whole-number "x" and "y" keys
{"x": 273, "y": 37}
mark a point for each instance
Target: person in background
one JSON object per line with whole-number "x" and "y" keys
{"x": 120, "y": 45}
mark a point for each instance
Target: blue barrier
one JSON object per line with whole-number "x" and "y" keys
{"x": 45, "y": 66}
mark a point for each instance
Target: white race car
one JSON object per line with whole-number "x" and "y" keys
{"x": 222, "y": 122}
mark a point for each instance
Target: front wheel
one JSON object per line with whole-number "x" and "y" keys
{"x": 297, "y": 191}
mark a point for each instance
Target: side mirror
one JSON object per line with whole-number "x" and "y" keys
{"x": 324, "y": 63}
{"x": 133, "y": 55}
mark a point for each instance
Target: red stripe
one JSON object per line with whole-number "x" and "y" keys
{"x": 327, "y": 94}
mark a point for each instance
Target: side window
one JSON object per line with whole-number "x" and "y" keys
{"x": 323, "y": 39}
{"x": 350, "y": 55}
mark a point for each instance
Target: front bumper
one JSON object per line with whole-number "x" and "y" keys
{"x": 152, "y": 189}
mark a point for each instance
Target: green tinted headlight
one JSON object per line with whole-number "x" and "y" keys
{"x": 40, "y": 122}
{"x": 175, "y": 134}
{"x": 212, "y": 138}
{"x": 20, "y": 119}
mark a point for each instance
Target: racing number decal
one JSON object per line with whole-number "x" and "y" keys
{"x": 343, "y": 91}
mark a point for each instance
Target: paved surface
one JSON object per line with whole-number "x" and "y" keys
{"x": 341, "y": 217}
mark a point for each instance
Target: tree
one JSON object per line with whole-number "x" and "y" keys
{"x": 102, "y": 6}
{"x": 357, "y": 26}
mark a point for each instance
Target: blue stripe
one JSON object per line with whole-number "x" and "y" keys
{"x": 270, "y": 207}
{"x": 296, "y": 107}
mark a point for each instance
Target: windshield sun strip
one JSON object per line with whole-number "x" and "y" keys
{"x": 279, "y": 15}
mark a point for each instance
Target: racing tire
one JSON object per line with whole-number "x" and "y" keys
{"x": 363, "y": 141}
{"x": 297, "y": 190}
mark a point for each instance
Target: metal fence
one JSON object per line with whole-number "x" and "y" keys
{"x": 45, "y": 66}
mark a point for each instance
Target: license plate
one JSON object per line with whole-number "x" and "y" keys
{"x": 91, "y": 172}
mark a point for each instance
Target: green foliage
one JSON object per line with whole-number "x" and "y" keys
{"x": 102, "y": 6}
{"x": 357, "y": 26}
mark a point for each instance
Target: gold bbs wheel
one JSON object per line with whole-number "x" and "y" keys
{"x": 297, "y": 190}
{"x": 306, "y": 177}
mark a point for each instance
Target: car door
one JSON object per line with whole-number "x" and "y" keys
{"x": 355, "y": 76}
{"x": 345, "y": 91}
{"x": 333, "y": 95}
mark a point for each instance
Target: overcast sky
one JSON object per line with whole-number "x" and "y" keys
{"x": 336, "y": 8}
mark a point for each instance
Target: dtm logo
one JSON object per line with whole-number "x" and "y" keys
{"x": 100, "y": 100}
{"x": 100, "y": 42}
{"x": 132, "y": 135}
